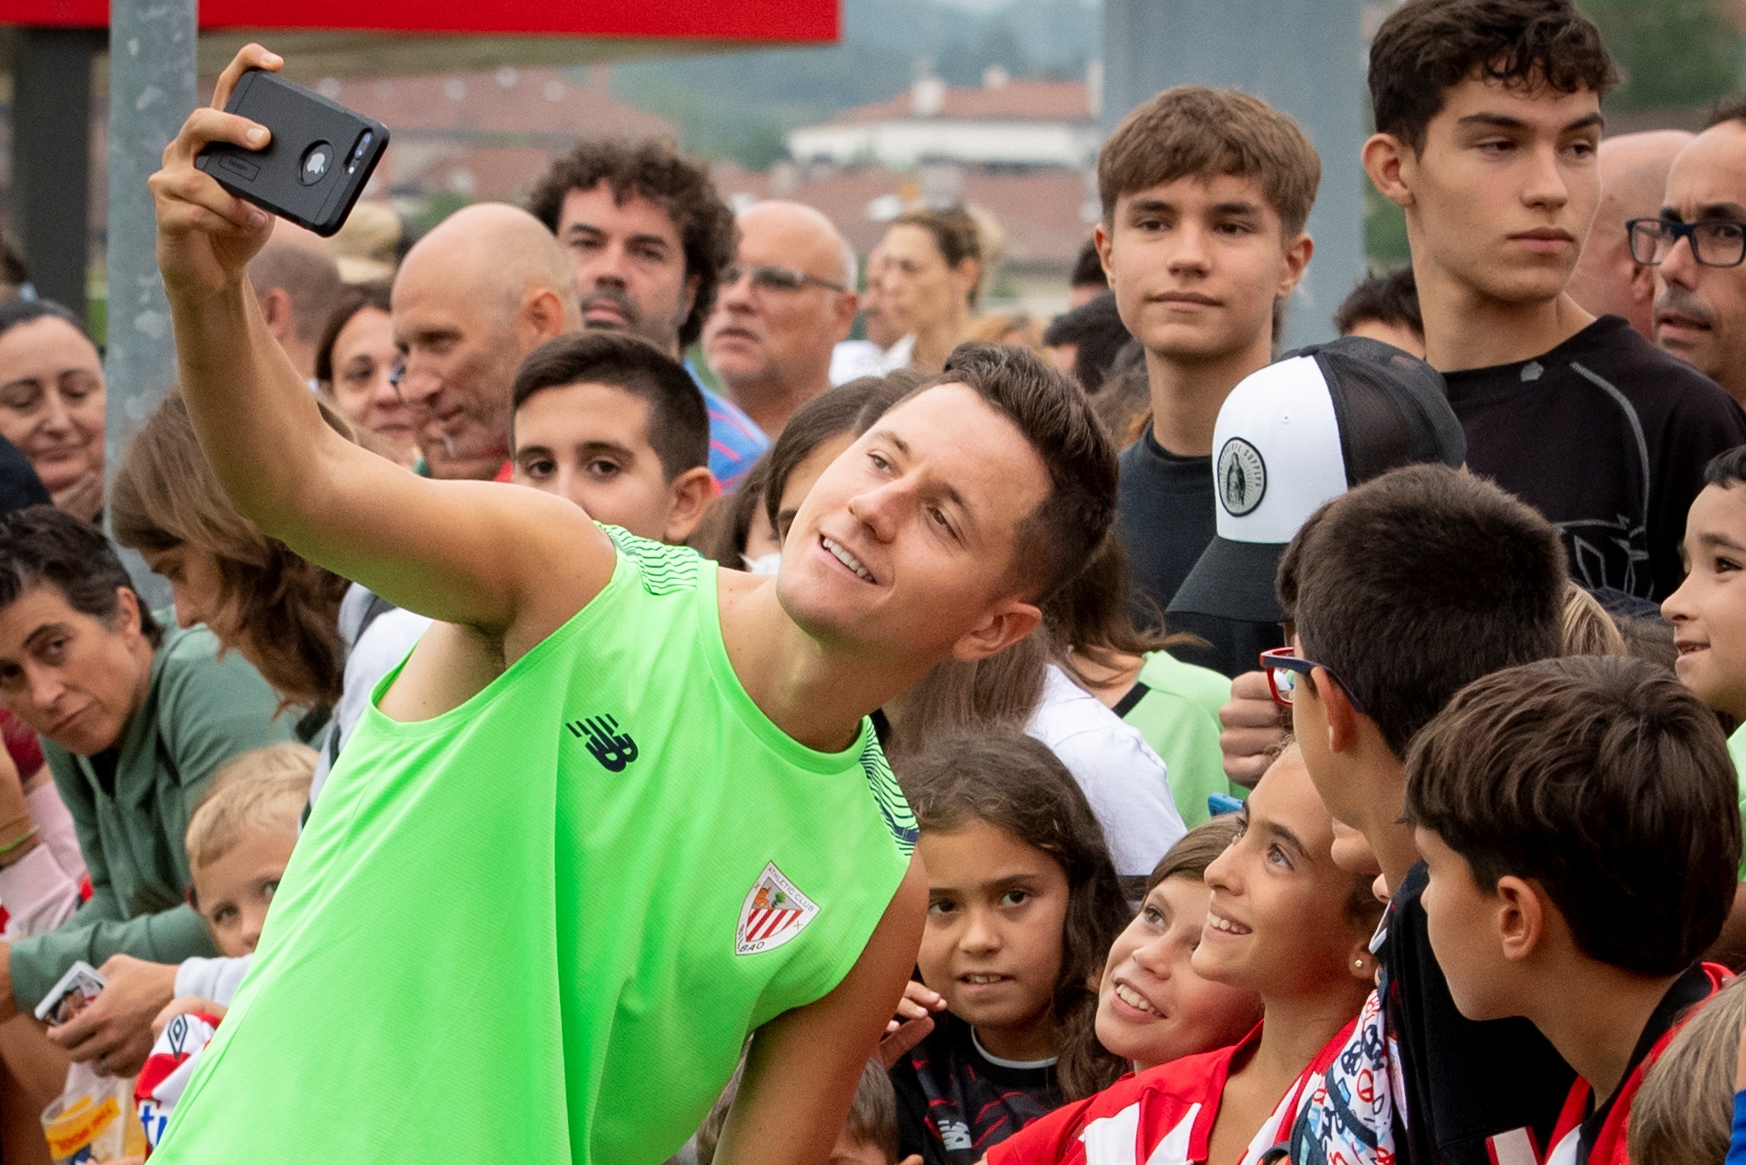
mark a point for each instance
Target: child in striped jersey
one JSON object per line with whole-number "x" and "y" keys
{"x": 1023, "y": 903}
{"x": 1282, "y": 920}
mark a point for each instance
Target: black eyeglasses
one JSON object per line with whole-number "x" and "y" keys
{"x": 1282, "y": 670}
{"x": 1715, "y": 242}
{"x": 777, "y": 278}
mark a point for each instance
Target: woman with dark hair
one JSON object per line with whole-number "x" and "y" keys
{"x": 134, "y": 719}
{"x": 354, "y": 364}
{"x": 52, "y": 400}
{"x": 931, "y": 277}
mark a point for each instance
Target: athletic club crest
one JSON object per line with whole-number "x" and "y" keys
{"x": 774, "y": 911}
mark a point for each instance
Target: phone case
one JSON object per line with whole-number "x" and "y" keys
{"x": 320, "y": 156}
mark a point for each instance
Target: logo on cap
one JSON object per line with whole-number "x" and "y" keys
{"x": 1242, "y": 477}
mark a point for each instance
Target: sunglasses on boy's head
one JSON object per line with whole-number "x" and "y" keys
{"x": 1282, "y": 670}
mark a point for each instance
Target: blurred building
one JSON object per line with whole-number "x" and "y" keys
{"x": 1005, "y": 122}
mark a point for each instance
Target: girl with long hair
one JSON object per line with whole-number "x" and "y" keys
{"x": 1023, "y": 905}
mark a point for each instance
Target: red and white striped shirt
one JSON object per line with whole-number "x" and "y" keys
{"x": 1163, "y": 1116}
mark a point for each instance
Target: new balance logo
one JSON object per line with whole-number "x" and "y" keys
{"x": 606, "y": 744}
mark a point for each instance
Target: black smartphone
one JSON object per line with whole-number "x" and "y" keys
{"x": 317, "y": 162}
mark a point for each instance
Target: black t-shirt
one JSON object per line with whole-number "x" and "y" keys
{"x": 954, "y": 1103}
{"x": 1165, "y": 516}
{"x": 1608, "y": 437}
{"x": 1466, "y": 1081}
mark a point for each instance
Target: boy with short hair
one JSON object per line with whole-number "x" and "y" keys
{"x": 1205, "y": 196}
{"x": 618, "y": 427}
{"x": 1488, "y": 117}
{"x": 1402, "y": 591}
{"x": 239, "y": 841}
{"x": 1577, "y": 817}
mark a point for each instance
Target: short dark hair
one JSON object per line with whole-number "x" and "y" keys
{"x": 1088, "y": 268}
{"x": 14, "y": 271}
{"x": 43, "y": 546}
{"x": 1096, "y": 328}
{"x": 1390, "y": 299}
{"x": 1730, "y": 108}
{"x": 678, "y": 418}
{"x": 352, "y": 300}
{"x": 1066, "y": 529}
{"x": 1416, "y": 583}
{"x": 1606, "y": 781}
{"x": 1727, "y": 468}
{"x": 655, "y": 171}
{"x": 1194, "y": 132}
{"x": 1427, "y": 47}
{"x": 24, "y": 311}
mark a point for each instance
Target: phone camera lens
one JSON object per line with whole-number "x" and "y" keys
{"x": 363, "y": 145}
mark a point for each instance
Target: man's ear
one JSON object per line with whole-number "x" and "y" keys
{"x": 1297, "y": 257}
{"x": 692, "y": 283}
{"x": 691, "y": 491}
{"x": 1385, "y": 158}
{"x": 848, "y": 304}
{"x": 276, "y": 309}
{"x": 1521, "y": 917}
{"x": 1014, "y": 620}
{"x": 542, "y": 314}
{"x": 1337, "y": 710}
{"x": 1642, "y": 283}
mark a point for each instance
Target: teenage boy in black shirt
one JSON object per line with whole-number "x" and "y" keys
{"x": 1205, "y": 195}
{"x": 1488, "y": 117}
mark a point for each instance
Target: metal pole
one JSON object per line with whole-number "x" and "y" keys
{"x": 51, "y": 155}
{"x": 151, "y": 92}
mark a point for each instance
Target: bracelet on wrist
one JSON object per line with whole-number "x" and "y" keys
{"x": 28, "y": 835}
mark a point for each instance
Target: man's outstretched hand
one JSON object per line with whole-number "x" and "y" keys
{"x": 206, "y": 236}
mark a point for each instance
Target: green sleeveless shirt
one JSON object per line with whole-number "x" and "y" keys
{"x": 539, "y": 927}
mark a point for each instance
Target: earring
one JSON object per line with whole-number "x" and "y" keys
{"x": 1357, "y": 964}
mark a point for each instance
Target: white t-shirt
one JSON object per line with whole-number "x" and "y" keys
{"x": 1121, "y": 776}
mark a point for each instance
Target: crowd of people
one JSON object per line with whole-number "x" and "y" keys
{"x": 970, "y": 741}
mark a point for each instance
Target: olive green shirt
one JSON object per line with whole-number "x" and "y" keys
{"x": 1175, "y": 705}
{"x": 131, "y": 803}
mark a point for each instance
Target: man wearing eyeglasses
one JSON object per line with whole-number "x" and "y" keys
{"x": 1696, "y": 247}
{"x": 783, "y": 306}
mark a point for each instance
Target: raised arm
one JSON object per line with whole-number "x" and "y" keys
{"x": 478, "y": 553}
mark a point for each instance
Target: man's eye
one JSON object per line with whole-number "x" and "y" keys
{"x": 269, "y": 887}
{"x": 1015, "y": 898}
{"x": 942, "y": 906}
{"x": 604, "y": 468}
{"x": 55, "y": 650}
{"x": 223, "y": 916}
{"x": 1278, "y": 857}
{"x": 539, "y": 467}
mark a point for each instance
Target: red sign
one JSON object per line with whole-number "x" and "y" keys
{"x": 752, "y": 20}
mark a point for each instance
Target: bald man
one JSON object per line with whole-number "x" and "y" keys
{"x": 1633, "y": 170}
{"x": 1700, "y": 298}
{"x": 298, "y": 283}
{"x": 783, "y": 305}
{"x": 486, "y": 287}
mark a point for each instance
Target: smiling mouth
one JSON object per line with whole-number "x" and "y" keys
{"x": 1224, "y": 925}
{"x": 1135, "y": 1000}
{"x": 837, "y": 551}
